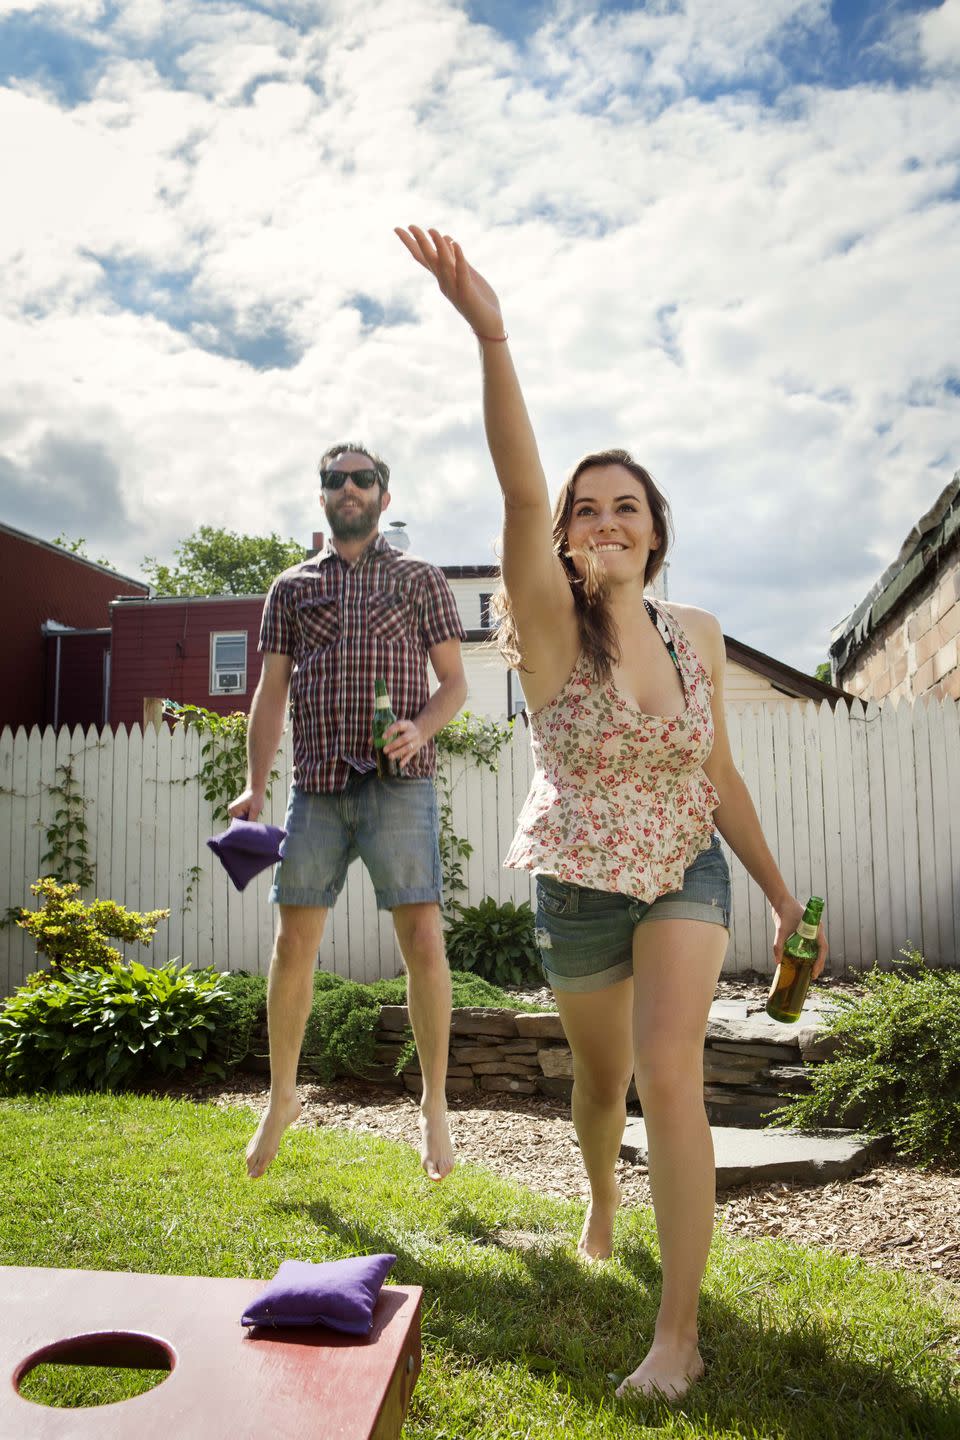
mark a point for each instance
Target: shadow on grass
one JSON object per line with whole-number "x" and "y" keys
{"x": 539, "y": 1306}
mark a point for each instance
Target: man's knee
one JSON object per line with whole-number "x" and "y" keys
{"x": 420, "y": 933}
{"x": 299, "y": 935}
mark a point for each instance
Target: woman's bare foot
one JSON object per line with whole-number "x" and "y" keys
{"x": 263, "y": 1148}
{"x": 596, "y": 1238}
{"x": 668, "y": 1371}
{"x": 436, "y": 1147}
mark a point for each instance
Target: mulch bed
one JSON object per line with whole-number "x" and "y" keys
{"x": 894, "y": 1216}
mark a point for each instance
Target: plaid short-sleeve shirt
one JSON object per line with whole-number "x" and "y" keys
{"x": 344, "y": 626}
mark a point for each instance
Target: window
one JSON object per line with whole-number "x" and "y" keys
{"x": 485, "y": 598}
{"x": 228, "y": 662}
{"x": 516, "y": 704}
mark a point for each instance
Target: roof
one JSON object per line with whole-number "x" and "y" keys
{"x": 72, "y": 555}
{"x": 452, "y": 572}
{"x": 471, "y": 572}
{"x": 935, "y": 533}
{"x": 152, "y": 600}
{"x": 782, "y": 676}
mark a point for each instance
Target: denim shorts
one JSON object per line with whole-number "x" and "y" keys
{"x": 391, "y": 825}
{"x": 586, "y": 936}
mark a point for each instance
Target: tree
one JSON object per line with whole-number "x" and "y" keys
{"x": 79, "y": 547}
{"x": 75, "y": 547}
{"x": 823, "y": 672}
{"x": 213, "y": 561}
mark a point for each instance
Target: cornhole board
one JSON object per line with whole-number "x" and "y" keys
{"x": 259, "y": 1384}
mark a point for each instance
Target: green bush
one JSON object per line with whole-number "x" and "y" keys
{"x": 469, "y": 991}
{"x": 496, "y": 942}
{"x": 223, "y": 751}
{"x": 341, "y": 1028}
{"x": 110, "y": 1028}
{"x": 897, "y": 1063}
{"x": 340, "y": 1036}
{"x": 73, "y": 933}
{"x": 245, "y": 1011}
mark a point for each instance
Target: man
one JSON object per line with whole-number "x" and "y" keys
{"x": 332, "y": 625}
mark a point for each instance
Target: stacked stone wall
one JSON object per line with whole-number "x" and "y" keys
{"x": 751, "y": 1065}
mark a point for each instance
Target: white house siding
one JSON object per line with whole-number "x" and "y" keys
{"x": 467, "y": 594}
{"x": 487, "y": 681}
{"x": 745, "y": 687}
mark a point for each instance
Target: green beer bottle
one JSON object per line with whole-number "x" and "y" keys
{"x": 388, "y": 766}
{"x": 789, "y": 988}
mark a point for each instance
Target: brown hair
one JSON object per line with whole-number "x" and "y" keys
{"x": 344, "y": 446}
{"x": 597, "y": 632}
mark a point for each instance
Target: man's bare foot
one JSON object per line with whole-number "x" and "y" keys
{"x": 668, "y": 1371}
{"x": 596, "y": 1238}
{"x": 436, "y": 1147}
{"x": 263, "y": 1148}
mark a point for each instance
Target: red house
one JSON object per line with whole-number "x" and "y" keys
{"x": 87, "y": 646}
{"x": 196, "y": 649}
{"x": 202, "y": 650}
{"x": 54, "y": 662}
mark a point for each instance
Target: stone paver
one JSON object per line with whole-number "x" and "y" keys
{"x": 745, "y": 1155}
{"x": 729, "y": 1009}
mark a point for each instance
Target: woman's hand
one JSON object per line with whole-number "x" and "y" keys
{"x": 463, "y": 286}
{"x": 786, "y": 917}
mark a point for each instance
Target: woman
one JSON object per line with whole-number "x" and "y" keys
{"x": 634, "y": 770}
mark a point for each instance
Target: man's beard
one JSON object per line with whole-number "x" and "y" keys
{"x": 355, "y": 526}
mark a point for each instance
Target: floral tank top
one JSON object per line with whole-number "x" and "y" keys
{"x": 619, "y": 800}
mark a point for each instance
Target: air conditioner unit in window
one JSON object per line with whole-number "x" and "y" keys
{"x": 227, "y": 680}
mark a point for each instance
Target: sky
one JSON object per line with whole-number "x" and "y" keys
{"x": 724, "y": 234}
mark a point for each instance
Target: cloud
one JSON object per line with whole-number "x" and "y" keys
{"x": 722, "y": 236}
{"x": 929, "y": 39}
{"x": 68, "y": 482}
{"x": 70, "y": 12}
{"x": 664, "y": 51}
{"x": 940, "y": 36}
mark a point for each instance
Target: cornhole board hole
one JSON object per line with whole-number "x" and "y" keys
{"x": 224, "y": 1381}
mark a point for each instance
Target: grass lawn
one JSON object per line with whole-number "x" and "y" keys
{"x": 520, "y": 1338}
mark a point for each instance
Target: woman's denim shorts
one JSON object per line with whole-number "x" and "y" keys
{"x": 586, "y": 936}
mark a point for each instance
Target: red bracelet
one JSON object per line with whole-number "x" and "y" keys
{"x": 494, "y": 339}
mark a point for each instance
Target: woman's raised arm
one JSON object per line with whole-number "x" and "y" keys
{"x": 532, "y": 574}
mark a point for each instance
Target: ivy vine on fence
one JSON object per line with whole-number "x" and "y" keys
{"x": 67, "y": 856}
{"x": 67, "y": 852}
{"x": 482, "y": 740}
{"x": 223, "y": 752}
{"x": 223, "y": 774}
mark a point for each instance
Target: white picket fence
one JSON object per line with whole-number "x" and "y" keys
{"x": 860, "y": 805}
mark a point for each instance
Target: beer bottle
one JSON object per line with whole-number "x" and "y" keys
{"x": 789, "y": 988}
{"x": 388, "y": 766}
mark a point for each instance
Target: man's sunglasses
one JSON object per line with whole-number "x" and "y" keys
{"x": 336, "y": 479}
